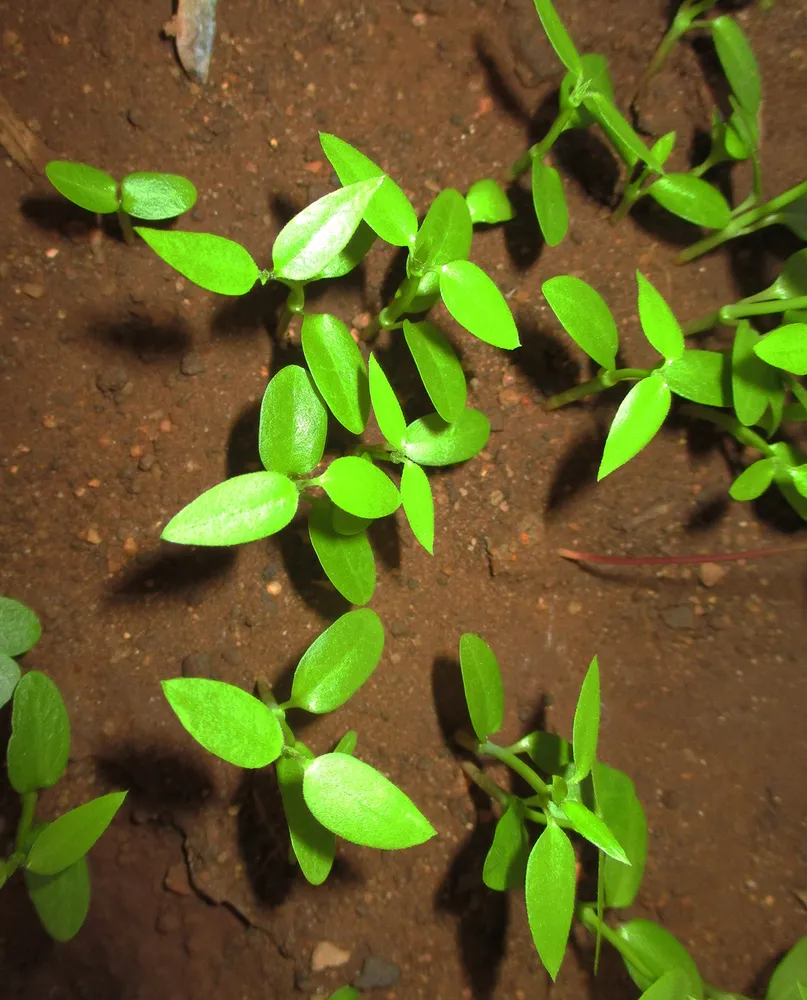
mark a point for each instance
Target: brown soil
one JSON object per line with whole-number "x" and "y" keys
{"x": 104, "y": 436}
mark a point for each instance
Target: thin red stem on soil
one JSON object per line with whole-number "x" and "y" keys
{"x": 601, "y": 560}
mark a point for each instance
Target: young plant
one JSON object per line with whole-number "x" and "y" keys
{"x": 324, "y": 797}
{"x": 141, "y": 195}
{"x": 52, "y": 856}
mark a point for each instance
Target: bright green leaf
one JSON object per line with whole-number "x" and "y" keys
{"x": 752, "y": 381}
{"x": 738, "y": 61}
{"x": 487, "y": 203}
{"x": 338, "y": 369}
{"x": 445, "y": 234}
{"x": 88, "y": 187}
{"x": 673, "y": 985}
{"x": 348, "y": 524}
{"x": 431, "y": 441}
{"x": 625, "y": 140}
{"x": 587, "y": 722}
{"x": 345, "y": 993}
{"x": 156, "y": 196}
{"x": 19, "y": 627}
{"x": 506, "y": 861}
{"x": 313, "y": 845}
{"x": 794, "y": 216}
{"x": 584, "y": 315}
{"x": 40, "y": 734}
{"x": 9, "y": 678}
{"x": 360, "y": 488}
{"x": 792, "y": 970}
{"x": 476, "y": 303}
{"x": 620, "y": 808}
{"x": 70, "y": 836}
{"x": 549, "y": 752}
{"x": 439, "y": 368}
{"x": 386, "y": 407}
{"x": 637, "y": 421}
{"x": 799, "y": 475}
{"x": 692, "y": 199}
{"x": 482, "y": 681}
{"x": 558, "y": 36}
{"x": 550, "y": 890}
{"x": 658, "y": 321}
{"x": 597, "y": 77}
{"x": 702, "y": 376}
{"x": 346, "y": 558}
{"x": 790, "y": 283}
{"x": 293, "y": 423}
{"x": 659, "y": 952}
{"x": 210, "y": 261}
{"x": 418, "y": 504}
{"x": 61, "y": 901}
{"x": 347, "y": 744}
{"x": 785, "y": 348}
{"x": 354, "y": 252}
{"x": 594, "y": 829}
{"x": 662, "y": 148}
{"x": 549, "y": 202}
{"x": 753, "y": 481}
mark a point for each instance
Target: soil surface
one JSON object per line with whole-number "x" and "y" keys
{"x": 125, "y": 392}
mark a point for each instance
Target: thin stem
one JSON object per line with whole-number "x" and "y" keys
{"x": 595, "y": 559}
{"x": 731, "y": 424}
{"x": 703, "y": 324}
{"x": 587, "y": 915}
{"x": 407, "y": 290}
{"x": 486, "y": 783}
{"x": 515, "y": 764}
{"x": 604, "y": 380}
{"x": 630, "y": 196}
{"x": 729, "y": 314}
{"x": 125, "y": 222}
{"x": 540, "y": 149}
{"x": 26, "y": 820}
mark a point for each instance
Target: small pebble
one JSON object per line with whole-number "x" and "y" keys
{"x": 192, "y": 363}
{"x": 710, "y": 574}
{"x": 327, "y": 955}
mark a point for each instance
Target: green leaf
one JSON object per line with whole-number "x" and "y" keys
{"x": 597, "y": 76}
{"x": 9, "y": 678}
{"x": 692, "y": 199}
{"x": 386, "y": 407}
{"x": 625, "y": 140}
{"x": 87, "y": 187}
{"x": 487, "y": 203}
{"x": 792, "y": 970}
{"x": 482, "y": 681}
{"x": 360, "y": 488}
{"x": 587, "y": 722}
{"x": 662, "y": 148}
{"x": 637, "y": 421}
{"x": 476, "y": 303}
{"x": 19, "y": 627}
{"x": 786, "y": 348}
{"x": 338, "y": 662}
{"x": 241, "y": 509}
{"x": 313, "y": 845}
{"x": 752, "y": 381}
{"x": 348, "y": 524}
{"x": 61, "y": 901}
{"x": 445, "y": 234}
{"x": 558, "y": 36}
{"x": 347, "y": 559}
{"x": 40, "y": 734}
{"x": 594, "y": 829}
{"x": 156, "y": 196}
{"x": 347, "y": 744}
{"x": 702, "y": 376}
{"x": 583, "y": 314}
{"x": 345, "y": 993}
{"x": 790, "y": 283}
{"x": 620, "y": 808}
{"x": 659, "y": 952}
{"x": 549, "y": 752}
{"x": 418, "y": 504}
{"x": 506, "y": 861}
{"x": 389, "y": 213}
{"x": 226, "y": 720}
{"x": 71, "y": 836}
{"x": 753, "y": 481}
{"x": 210, "y": 261}
{"x": 428, "y": 290}
{"x": 310, "y": 241}
{"x": 794, "y": 216}
{"x": 338, "y": 369}
{"x": 550, "y": 889}
{"x": 658, "y": 321}
{"x": 293, "y": 423}
{"x": 360, "y": 805}
{"x": 799, "y": 475}
{"x": 549, "y": 202}
{"x": 439, "y": 368}
{"x": 431, "y": 441}
{"x": 738, "y": 61}
{"x": 672, "y": 985}
{"x": 356, "y": 249}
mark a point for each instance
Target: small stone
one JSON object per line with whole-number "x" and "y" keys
{"x": 192, "y": 363}
{"x": 33, "y": 290}
{"x": 398, "y": 630}
{"x": 496, "y": 497}
{"x": 274, "y": 588}
{"x": 710, "y": 574}
{"x": 680, "y": 616}
{"x": 111, "y": 379}
{"x": 197, "y": 665}
{"x": 509, "y": 397}
{"x": 130, "y": 546}
{"x": 147, "y": 462}
{"x": 233, "y": 656}
{"x": 137, "y": 117}
{"x": 92, "y": 536}
{"x": 327, "y": 955}
{"x": 377, "y": 973}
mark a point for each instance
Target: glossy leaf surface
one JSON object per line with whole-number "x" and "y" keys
{"x": 549, "y": 201}
{"x": 445, "y": 234}
{"x": 753, "y": 481}
{"x": 156, "y": 196}
{"x": 360, "y": 488}
{"x": 638, "y": 419}
{"x": 658, "y": 321}
{"x": 550, "y": 890}
{"x": 506, "y": 861}
{"x": 475, "y": 302}
{"x": 61, "y": 901}
{"x": 313, "y": 845}
{"x": 582, "y": 312}
{"x": 482, "y": 682}
{"x": 622, "y": 811}
{"x": 487, "y": 203}
{"x": 293, "y": 423}
{"x": 432, "y": 441}
{"x": 692, "y": 199}
{"x": 587, "y": 723}
{"x": 753, "y": 382}
{"x": 439, "y": 368}
{"x": 71, "y": 835}
{"x": 347, "y": 559}
{"x": 702, "y": 376}
{"x": 88, "y": 187}
{"x": 212, "y": 262}
{"x": 39, "y": 744}
{"x": 386, "y": 407}
{"x": 338, "y": 369}
{"x": 418, "y": 504}
{"x": 20, "y": 628}
{"x": 786, "y": 348}
{"x": 659, "y": 952}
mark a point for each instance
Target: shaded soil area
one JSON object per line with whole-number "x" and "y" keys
{"x": 125, "y": 392}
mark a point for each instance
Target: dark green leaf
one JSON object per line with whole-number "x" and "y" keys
{"x": 659, "y": 952}
{"x": 626, "y": 142}
{"x": 418, "y": 504}
{"x": 794, "y": 216}
{"x": 673, "y": 985}
{"x": 338, "y": 369}
{"x": 587, "y": 722}
{"x": 293, "y": 423}
{"x": 156, "y": 196}
{"x": 487, "y": 203}
{"x": 549, "y": 752}
{"x": 359, "y": 804}
{"x": 549, "y": 202}
{"x": 390, "y": 212}
{"x": 620, "y": 808}
{"x": 558, "y": 36}
{"x": 637, "y": 421}
{"x": 9, "y": 678}
{"x": 40, "y": 734}
{"x": 357, "y": 248}
{"x": 311, "y": 240}
{"x": 702, "y": 376}
{"x": 753, "y": 481}
{"x": 550, "y": 889}
{"x": 476, "y": 303}
{"x": 346, "y": 558}
{"x": 598, "y": 78}
{"x": 692, "y": 199}
{"x": 584, "y": 315}
{"x": 71, "y": 836}
{"x": 752, "y": 381}
{"x": 428, "y": 291}
{"x": 785, "y": 348}
{"x": 386, "y": 407}
{"x": 738, "y": 61}
{"x": 799, "y": 475}
{"x": 226, "y": 720}
{"x": 348, "y": 524}
{"x": 445, "y": 234}
{"x": 87, "y": 187}
{"x": 790, "y": 283}
{"x": 594, "y": 829}
{"x": 431, "y": 441}
{"x": 61, "y": 901}
{"x": 338, "y": 662}
{"x": 238, "y": 510}
{"x": 19, "y": 627}
{"x": 210, "y": 261}
{"x": 662, "y": 148}
{"x": 791, "y": 971}
{"x": 658, "y": 321}
{"x": 506, "y": 861}
{"x": 313, "y": 845}
{"x": 482, "y": 681}
{"x": 360, "y": 488}
{"x": 439, "y": 368}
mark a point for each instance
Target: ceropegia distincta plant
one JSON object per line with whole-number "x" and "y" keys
{"x": 327, "y": 796}
{"x": 51, "y": 855}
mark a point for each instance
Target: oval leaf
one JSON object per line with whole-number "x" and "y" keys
{"x": 753, "y": 481}
{"x": 313, "y": 845}
{"x": 210, "y": 261}
{"x": 702, "y": 376}
{"x": 40, "y": 734}
{"x": 346, "y": 558}
{"x": 583, "y": 314}
{"x": 360, "y": 488}
{"x": 338, "y": 662}
{"x": 752, "y": 381}
{"x": 659, "y": 952}
{"x": 9, "y": 678}
{"x": 386, "y": 407}
{"x": 786, "y": 348}
{"x": 156, "y": 196}
{"x": 445, "y": 234}
{"x": 597, "y": 79}
{"x": 692, "y": 199}
{"x": 622, "y": 811}
{"x": 549, "y": 202}
{"x": 550, "y": 888}
{"x": 476, "y": 303}
{"x": 356, "y": 249}
{"x": 359, "y": 804}
{"x": 558, "y": 36}
{"x": 487, "y": 203}
{"x": 637, "y": 421}
{"x": 439, "y": 368}
{"x": 594, "y": 829}
{"x": 308, "y": 243}
{"x": 431, "y": 441}
{"x": 19, "y": 627}
{"x": 88, "y": 187}
{"x": 293, "y": 423}
{"x": 738, "y": 61}
{"x": 673, "y": 985}
{"x": 418, "y": 504}
{"x": 792, "y": 970}
{"x": 238, "y": 510}
{"x": 71, "y": 836}
{"x": 338, "y": 369}
{"x": 61, "y": 901}
{"x": 586, "y": 723}
{"x": 348, "y": 524}
{"x": 226, "y": 720}
{"x": 345, "y": 993}
{"x": 658, "y": 322}
{"x": 482, "y": 682}
{"x": 624, "y": 139}
{"x": 506, "y": 861}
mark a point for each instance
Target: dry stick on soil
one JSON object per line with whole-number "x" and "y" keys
{"x": 693, "y": 560}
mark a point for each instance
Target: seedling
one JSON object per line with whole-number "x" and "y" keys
{"x": 52, "y": 856}
{"x": 324, "y": 797}
{"x": 146, "y": 196}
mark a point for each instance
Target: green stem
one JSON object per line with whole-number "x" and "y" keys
{"x": 26, "y": 820}
{"x": 390, "y": 315}
{"x": 487, "y": 784}
{"x": 682, "y": 22}
{"x": 125, "y": 222}
{"x": 518, "y": 766}
{"x": 731, "y": 424}
{"x": 587, "y": 915}
{"x": 729, "y": 314}
{"x": 604, "y": 380}
{"x": 540, "y": 149}
{"x": 708, "y": 322}
{"x": 630, "y": 196}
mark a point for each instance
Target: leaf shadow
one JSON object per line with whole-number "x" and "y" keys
{"x": 147, "y": 339}
{"x": 576, "y": 470}
{"x": 305, "y": 573}
{"x": 172, "y": 571}
{"x": 159, "y": 780}
{"x": 545, "y": 357}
